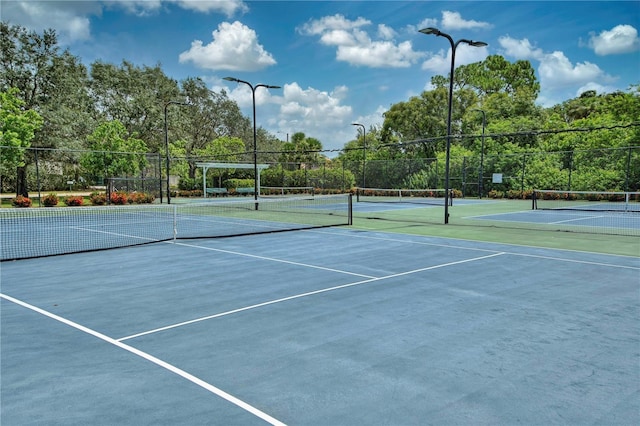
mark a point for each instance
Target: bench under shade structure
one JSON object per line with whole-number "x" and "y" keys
{"x": 223, "y": 191}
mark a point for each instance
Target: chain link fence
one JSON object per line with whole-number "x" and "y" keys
{"x": 50, "y": 170}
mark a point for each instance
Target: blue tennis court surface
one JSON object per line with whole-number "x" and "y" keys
{"x": 321, "y": 327}
{"x": 570, "y": 218}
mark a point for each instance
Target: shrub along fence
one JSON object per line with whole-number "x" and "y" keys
{"x": 507, "y": 175}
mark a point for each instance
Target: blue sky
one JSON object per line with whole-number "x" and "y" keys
{"x": 340, "y": 62}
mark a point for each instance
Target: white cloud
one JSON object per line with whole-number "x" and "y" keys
{"x": 520, "y": 49}
{"x": 620, "y": 39}
{"x": 150, "y": 7}
{"x": 71, "y": 19}
{"x": 228, "y": 7}
{"x": 454, "y": 21}
{"x": 137, "y": 7}
{"x": 385, "y": 32}
{"x": 425, "y": 23}
{"x": 234, "y": 47}
{"x": 356, "y": 47}
{"x": 311, "y": 104}
{"x": 440, "y": 62}
{"x": 379, "y": 54}
{"x": 241, "y": 93}
{"x": 331, "y": 23}
{"x": 599, "y": 88}
{"x": 316, "y": 113}
{"x": 556, "y": 70}
{"x": 68, "y": 19}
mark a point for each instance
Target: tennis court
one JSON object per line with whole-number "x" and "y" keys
{"x": 321, "y": 326}
{"x": 572, "y": 219}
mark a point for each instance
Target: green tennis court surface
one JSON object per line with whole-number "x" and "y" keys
{"x": 332, "y": 326}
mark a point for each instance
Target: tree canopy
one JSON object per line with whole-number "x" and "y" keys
{"x": 62, "y": 104}
{"x": 17, "y": 128}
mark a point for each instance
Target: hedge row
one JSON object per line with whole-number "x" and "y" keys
{"x": 95, "y": 199}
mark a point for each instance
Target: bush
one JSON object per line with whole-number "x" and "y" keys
{"x": 50, "y": 200}
{"x": 21, "y": 201}
{"x": 189, "y": 193}
{"x": 514, "y": 194}
{"x": 98, "y": 198}
{"x": 239, "y": 183}
{"x": 119, "y": 198}
{"x": 495, "y": 194}
{"x": 187, "y": 184}
{"x": 140, "y": 198}
{"x": 74, "y": 200}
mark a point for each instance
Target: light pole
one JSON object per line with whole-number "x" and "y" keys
{"x": 454, "y": 46}
{"x": 484, "y": 124}
{"x": 166, "y": 145}
{"x": 255, "y": 143}
{"x": 364, "y": 151}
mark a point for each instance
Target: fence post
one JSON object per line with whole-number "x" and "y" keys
{"x": 464, "y": 176}
{"x": 524, "y": 165}
{"x": 570, "y": 168}
{"x": 626, "y": 179}
{"x": 38, "y": 177}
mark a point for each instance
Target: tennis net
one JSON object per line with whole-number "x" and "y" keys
{"x": 38, "y": 232}
{"x": 599, "y": 201}
{"x": 417, "y": 196}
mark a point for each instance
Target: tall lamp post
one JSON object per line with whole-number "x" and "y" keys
{"x": 480, "y": 172}
{"x": 454, "y": 46}
{"x": 364, "y": 151}
{"x": 166, "y": 144}
{"x": 255, "y": 137}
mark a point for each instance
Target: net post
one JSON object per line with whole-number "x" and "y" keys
{"x": 350, "y": 210}
{"x": 175, "y": 222}
{"x": 533, "y": 200}
{"x": 626, "y": 201}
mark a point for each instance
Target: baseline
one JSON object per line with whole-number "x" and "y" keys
{"x": 190, "y": 377}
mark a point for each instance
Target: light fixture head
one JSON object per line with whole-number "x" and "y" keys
{"x": 430, "y": 30}
{"x": 230, "y": 79}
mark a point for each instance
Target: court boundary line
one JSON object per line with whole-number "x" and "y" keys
{"x": 561, "y": 259}
{"x": 577, "y": 219}
{"x": 163, "y": 364}
{"x": 306, "y": 294}
{"x": 272, "y": 259}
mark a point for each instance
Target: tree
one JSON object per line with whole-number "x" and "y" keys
{"x": 114, "y": 153}
{"x": 301, "y": 150}
{"x": 224, "y": 149}
{"x": 210, "y": 116}
{"x": 17, "y": 129}
{"x": 26, "y": 62}
{"x": 497, "y": 75}
{"x": 51, "y": 82}
{"x": 134, "y": 96}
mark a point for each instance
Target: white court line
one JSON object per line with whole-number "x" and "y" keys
{"x": 559, "y": 259}
{"x": 310, "y": 293}
{"x": 272, "y": 259}
{"x": 584, "y": 262}
{"x": 207, "y": 386}
{"x": 577, "y": 219}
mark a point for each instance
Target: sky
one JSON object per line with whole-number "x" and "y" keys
{"x": 345, "y": 62}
